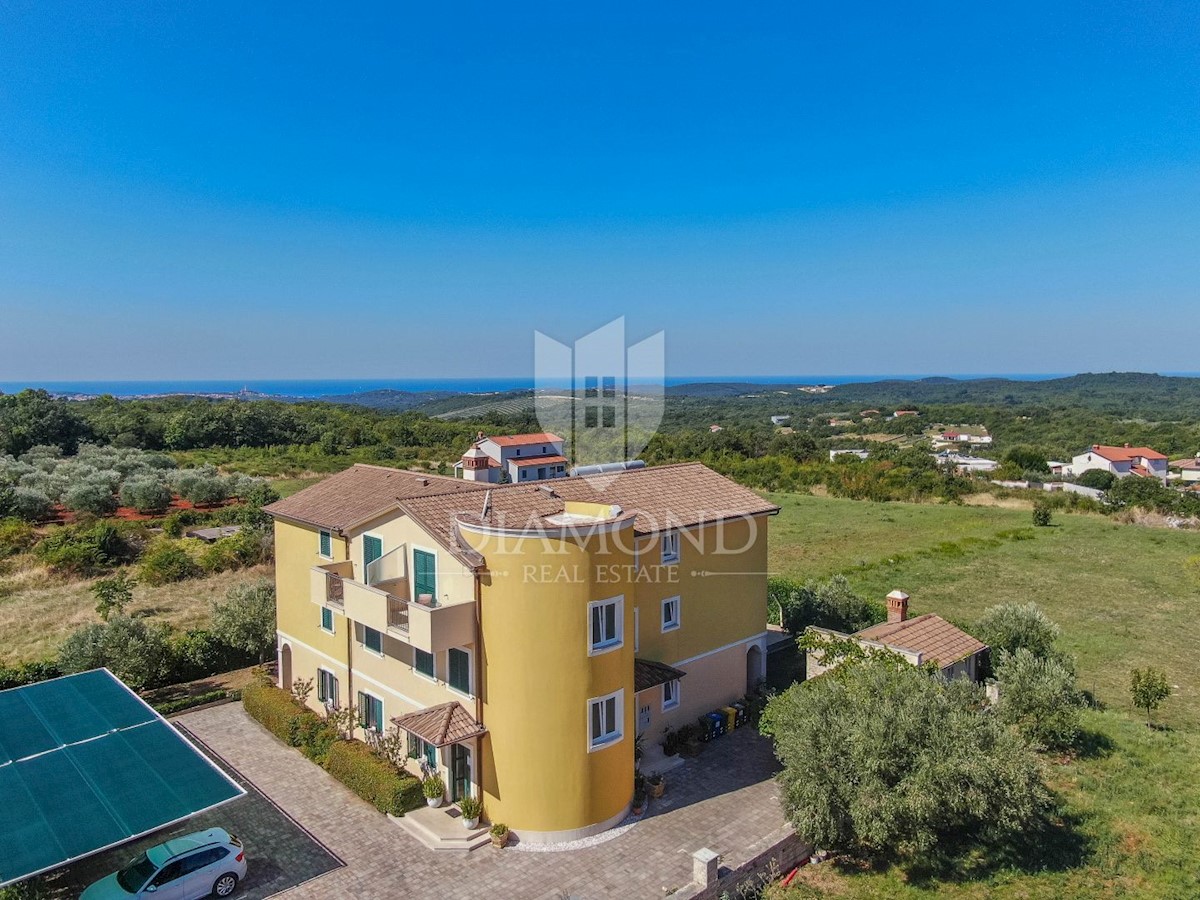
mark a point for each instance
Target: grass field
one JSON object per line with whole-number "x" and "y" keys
{"x": 1125, "y": 596}
{"x": 38, "y": 610}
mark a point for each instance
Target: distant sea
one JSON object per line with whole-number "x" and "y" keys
{"x": 313, "y": 389}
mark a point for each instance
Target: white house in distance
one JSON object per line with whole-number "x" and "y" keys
{"x": 1121, "y": 461}
{"x": 780, "y": 420}
{"x": 522, "y": 457}
{"x": 856, "y": 452}
{"x": 1189, "y": 468}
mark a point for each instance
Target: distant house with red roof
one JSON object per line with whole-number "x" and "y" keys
{"x": 520, "y": 457}
{"x": 1120, "y": 461}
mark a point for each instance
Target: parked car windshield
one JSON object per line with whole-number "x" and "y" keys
{"x": 134, "y": 875}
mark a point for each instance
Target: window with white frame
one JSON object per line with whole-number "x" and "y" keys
{"x": 670, "y": 694}
{"x": 370, "y": 712}
{"x": 670, "y": 614}
{"x": 326, "y": 545}
{"x": 423, "y": 662}
{"x": 605, "y": 624}
{"x": 327, "y": 687}
{"x": 670, "y": 547}
{"x": 327, "y": 619}
{"x": 605, "y": 715}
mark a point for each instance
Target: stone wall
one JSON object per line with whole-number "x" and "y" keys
{"x": 773, "y": 862}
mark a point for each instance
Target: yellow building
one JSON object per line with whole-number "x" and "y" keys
{"x": 521, "y": 636}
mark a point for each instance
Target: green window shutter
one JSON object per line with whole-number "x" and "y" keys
{"x": 326, "y": 544}
{"x": 372, "y": 550}
{"x": 424, "y": 573}
{"x": 460, "y": 670}
{"x": 423, "y": 662}
{"x": 362, "y": 709}
{"x": 414, "y": 746}
{"x": 327, "y": 618}
{"x": 430, "y": 755}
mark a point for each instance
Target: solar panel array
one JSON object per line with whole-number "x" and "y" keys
{"x": 85, "y": 765}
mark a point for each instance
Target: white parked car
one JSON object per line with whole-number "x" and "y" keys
{"x": 205, "y": 864}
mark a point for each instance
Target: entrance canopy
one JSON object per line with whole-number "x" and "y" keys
{"x": 442, "y": 725}
{"x": 86, "y": 765}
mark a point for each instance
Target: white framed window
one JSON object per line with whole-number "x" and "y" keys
{"x": 605, "y": 625}
{"x": 327, "y": 687}
{"x": 370, "y": 712}
{"x": 325, "y": 545}
{"x": 670, "y": 547}
{"x": 670, "y": 694}
{"x": 670, "y": 614}
{"x": 327, "y": 619}
{"x": 605, "y": 718}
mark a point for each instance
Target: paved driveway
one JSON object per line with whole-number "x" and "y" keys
{"x": 724, "y": 800}
{"x": 281, "y": 853}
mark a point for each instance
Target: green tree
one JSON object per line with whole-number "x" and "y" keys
{"x": 1042, "y": 514}
{"x": 146, "y": 494}
{"x": 1099, "y": 479}
{"x": 166, "y": 562}
{"x": 29, "y": 504}
{"x": 137, "y": 651}
{"x": 91, "y": 496}
{"x": 1029, "y": 459}
{"x": 245, "y": 619}
{"x": 1040, "y": 698}
{"x": 1010, "y": 627}
{"x": 883, "y": 759}
{"x": 113, "y": 595}
{"x": 1149, "y": 688}
{"x": 32, "y": 418}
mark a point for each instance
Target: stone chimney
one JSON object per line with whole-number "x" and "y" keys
{"x": 897, "y": 607}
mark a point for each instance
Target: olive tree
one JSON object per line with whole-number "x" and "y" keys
{"x": 137, "y": 651}
{"x": 146, "y": 494}
{"x": 883, "y": 759}
{"x": 245, "y": 619}
{"x": 1038, "y": 696}
{"x": 95, "y": 497}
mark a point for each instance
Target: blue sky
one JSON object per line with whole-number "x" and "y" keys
{"x": 220, "y": 190}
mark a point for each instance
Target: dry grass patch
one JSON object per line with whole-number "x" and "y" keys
{"x": 38, "y": 609}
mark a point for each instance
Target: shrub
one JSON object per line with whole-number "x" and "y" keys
{"x": 136, "y": 650}
{"x": 174, "y": 706}
{"x": 1041, "y": 514}
{"x": 378, "y": 782}
{"x": 88, "y": 550}
{"x": 95, "y": 497}
{"x": 219, "y": 556}
{"x": 199, "y": 653}
{"x": 1040, "y": 698}
{"x": 146, "y": 495}
{"x": 15, "y": 537}
{"x": 28, "y": 673}
{"x": 276, "y": 710}
{"x": 29, "y": 504}
{"x": 166, "y": 562}
{"x": 177, "y": 522}
{"x": 113, "y": 594}
{"x": 1010, "y": 627}
{"x": 828, "y": 604}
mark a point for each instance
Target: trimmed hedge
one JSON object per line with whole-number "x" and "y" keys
{"x": 174, "y": 706}
{"x": 378, "y": 782}
{"x": 279, "y": 712}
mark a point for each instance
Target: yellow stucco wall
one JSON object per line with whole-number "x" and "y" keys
{"x": 297, "y": 550}
{"x": 539, "y": 774}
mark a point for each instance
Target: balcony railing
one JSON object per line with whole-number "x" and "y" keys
{"x": 397, "y": 613}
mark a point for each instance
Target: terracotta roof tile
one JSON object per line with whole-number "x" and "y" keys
{"x": 360, "y": 492}
{"x": 649, "y": 674}
{"x": 1120, "y": 454}
{"x": 658, "y": 497}
{"x": 537, "y": 460}
{"x": 447, "y": 723}
{"x": 932, "y": 636}
{"x": 520, "y": 440}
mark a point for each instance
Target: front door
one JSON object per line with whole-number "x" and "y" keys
{"x": 460, "y": 772}
{"x": 643, "y": 721}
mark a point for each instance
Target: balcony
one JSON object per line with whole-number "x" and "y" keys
{"x": 436, "y": 628}
{"x": 328, "y": 583}
{"x": 373, "y": 605}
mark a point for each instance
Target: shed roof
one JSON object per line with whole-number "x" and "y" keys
{"x": 648, "y": 673}
{"x": 930, "y": 635}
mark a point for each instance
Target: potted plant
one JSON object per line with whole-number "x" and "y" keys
{"x": 657, "y": 784}
{"x": 470, "y": 807}
{"x": 670, "y": 742}
{"x": 499, "y": 835}
{"x": 639, "y": 795}
{"x": 638, "y": 750}
{"x": 434, "y": 789}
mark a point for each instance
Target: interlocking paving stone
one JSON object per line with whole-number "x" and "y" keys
{"x": 725, "y": 799}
